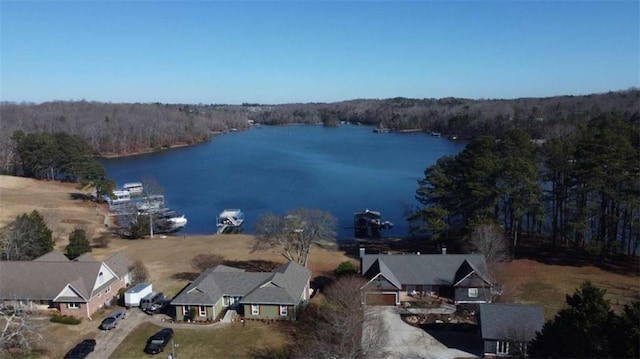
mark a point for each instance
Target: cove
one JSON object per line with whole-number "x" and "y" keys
{"x": 276, "y": 168}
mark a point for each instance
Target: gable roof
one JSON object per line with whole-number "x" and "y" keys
{"x": 41, "y": 280}
{"x": 53, "y": 256}
{"x": 510, "y": 321}
{"x": 425, "y": 269}
{"x": 217, "y": 282}
{"x": 118, "y": 263}
{"x": 464, "y": 272}
{"x": 47, "y": 277}
{"x": 282, "y": 286}
{"x": 378, "y": 267}
{"x": 86, "y": 257}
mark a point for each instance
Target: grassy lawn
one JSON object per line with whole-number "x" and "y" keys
{"x": 532, "y": 282}
{"x": 234, "y": 341}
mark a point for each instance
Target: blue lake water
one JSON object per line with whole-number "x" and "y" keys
{"x": 276, "y": 168}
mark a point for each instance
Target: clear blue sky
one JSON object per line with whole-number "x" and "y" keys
{"x": 312, "y": 51}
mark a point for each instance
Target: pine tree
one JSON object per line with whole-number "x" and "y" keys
{"x": 579, "y": 331}
{"x": 26, "y": 238}
{"x": 78, "y": 243}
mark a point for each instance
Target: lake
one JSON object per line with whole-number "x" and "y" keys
{"x": 276, "y": 168}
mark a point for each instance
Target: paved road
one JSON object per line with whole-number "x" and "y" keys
{"x": 108, "y": 340}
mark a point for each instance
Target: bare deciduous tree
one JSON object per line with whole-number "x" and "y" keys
{"x": 337, "y": 328}
{"x": 17, "y": 333}
{"x": 489, "y": 240}
{"x": 152, "y": 190}
{"x": 139, "y": 272}
{"x": 296, "y": 232}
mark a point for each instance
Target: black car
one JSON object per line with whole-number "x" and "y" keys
{"x": 158, "y": 341}
{"x": 81, "y": 350}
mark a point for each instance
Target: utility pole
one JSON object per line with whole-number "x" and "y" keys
{"x": 150, "y": 220}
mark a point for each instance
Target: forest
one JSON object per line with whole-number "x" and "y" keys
{"x": 127, "y": 128}
{"x": 581, "y": 189}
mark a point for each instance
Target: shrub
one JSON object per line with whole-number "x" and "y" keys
{"x": 66, "y": 319}
{"x": 193, "y": 313}
{"x": 344, "y": 269}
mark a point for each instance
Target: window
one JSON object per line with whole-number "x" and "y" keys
{"x": 203, "y": 311}
{"x": 283, "y": 310}
{"x": 185, "y": 310}
{"x": 100, "y": 278}
{"x": 73, "y": 305}
{"x": 502, "y": 348}
{"x": 108, "y": 289}
{"x": 255, "y": 309}
{"x": 473, "y": 292}
{"x": 225, "y": 301}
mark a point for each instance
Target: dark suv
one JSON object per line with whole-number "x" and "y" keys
{"x": 158, "y": 341}
{"x": 81, "y": 350}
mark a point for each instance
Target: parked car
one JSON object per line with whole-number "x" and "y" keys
{"x": 159, "y": 341}
{"x": 112, "y": 320}
{"x": 81, "y": 350}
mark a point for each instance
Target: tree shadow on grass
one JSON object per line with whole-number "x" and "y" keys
{"x": 255, "y": 265}
{"x": 185, "y": 276}
{"x": 321, "y": 282}
{"x": 76, "y": 196}
{"x": 271, "y": 353}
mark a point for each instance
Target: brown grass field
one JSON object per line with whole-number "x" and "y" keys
{"x": 168, "y": 257}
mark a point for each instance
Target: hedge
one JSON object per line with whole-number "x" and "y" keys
{"x": 66, "y": 319}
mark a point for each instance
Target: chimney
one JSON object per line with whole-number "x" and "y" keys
{"x": 444, "y": 250}
{"x": 361, "y": 252}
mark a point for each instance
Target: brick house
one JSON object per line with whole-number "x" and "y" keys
{"x": 73, "y": 287}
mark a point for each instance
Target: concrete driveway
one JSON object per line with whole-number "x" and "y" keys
{"x": 108, "y": 340}
{"x": 405, "y": 341}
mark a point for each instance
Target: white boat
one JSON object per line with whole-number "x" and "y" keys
{"x": 134, "y": 188}
{"x": 152, "y": 203}
{"x": 230, "y": 221}
{"x": 169, "y": 221}
{"x": 120, "y": 200}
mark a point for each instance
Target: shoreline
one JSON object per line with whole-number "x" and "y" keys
{"x": 146, "y": 152}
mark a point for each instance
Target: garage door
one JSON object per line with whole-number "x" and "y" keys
{"x": 380, "y": 299}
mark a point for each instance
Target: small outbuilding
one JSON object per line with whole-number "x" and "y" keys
{"x": 507, "y": 329}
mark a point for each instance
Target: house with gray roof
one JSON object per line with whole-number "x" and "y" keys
{"x": 460, "y": 278}
{"x": 52, "y": 282}
{"x": 507, "y": 329}
{"x": 275, "y": 295}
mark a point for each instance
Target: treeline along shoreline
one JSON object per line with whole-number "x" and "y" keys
{"x": 115, "y": 129}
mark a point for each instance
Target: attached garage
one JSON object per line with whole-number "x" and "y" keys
{"x": 380, "y": 298}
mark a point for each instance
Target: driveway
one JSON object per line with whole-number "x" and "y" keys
{"x": 406, "y": 341}
{"x": 108, "y": 340}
